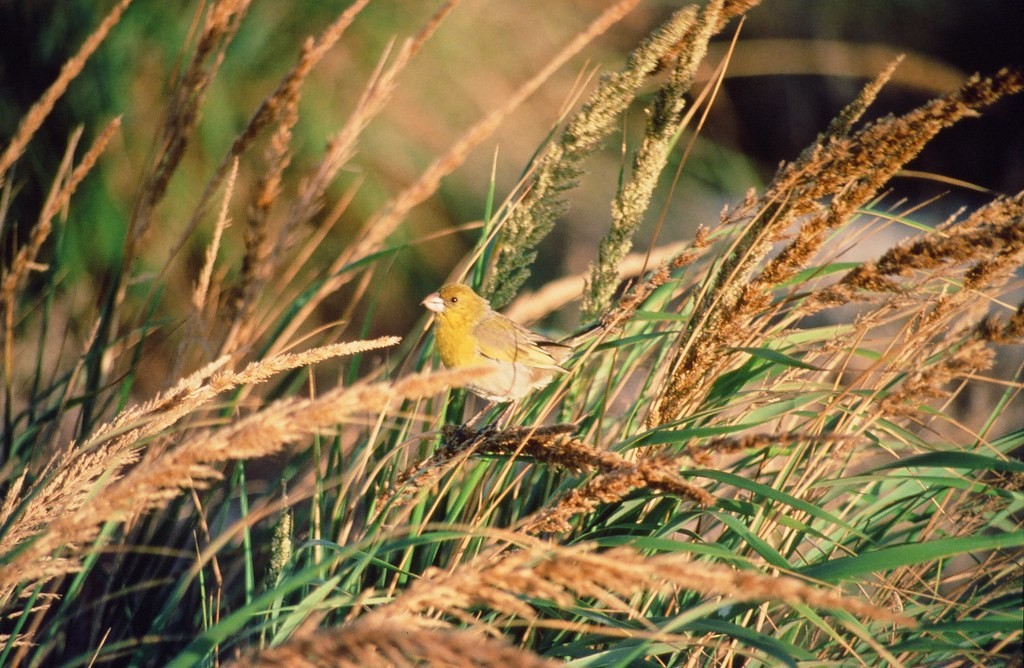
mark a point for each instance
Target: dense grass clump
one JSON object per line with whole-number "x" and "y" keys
{"x": 772, "y": 454}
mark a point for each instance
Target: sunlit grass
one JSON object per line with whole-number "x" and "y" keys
{"x": 764, "y": 455}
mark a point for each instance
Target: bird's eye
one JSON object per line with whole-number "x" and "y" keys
{"x": 455, "y": 299}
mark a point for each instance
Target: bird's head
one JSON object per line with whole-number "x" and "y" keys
{"x": 457, "y": 302}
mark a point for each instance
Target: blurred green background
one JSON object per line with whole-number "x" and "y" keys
{"x": 797, "y": 64}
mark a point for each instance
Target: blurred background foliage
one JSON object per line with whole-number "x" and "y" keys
{"x": 797, "y": 63}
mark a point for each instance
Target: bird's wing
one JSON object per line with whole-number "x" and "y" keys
{"x": 501, "y": 339}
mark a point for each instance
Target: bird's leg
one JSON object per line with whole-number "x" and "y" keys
{"x": 481, "y": 415}
{"x": 504, "y": 418}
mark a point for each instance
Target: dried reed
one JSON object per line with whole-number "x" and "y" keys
{"x": 222, "y": 21}
{"x": 394, "y": 642}
{"x": 563, "y": 575}
{"x": 66, "y": 509}
{"x": 848, "y": 168}
{"x": 26, "y": 258}
{"x": 71, "y": 69}
{"x": 384, "y": 222}
{"x": 561, "y": 164}
{"x": 664, "y": 121}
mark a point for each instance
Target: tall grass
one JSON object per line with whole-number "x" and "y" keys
{"x": 761, "y": 460}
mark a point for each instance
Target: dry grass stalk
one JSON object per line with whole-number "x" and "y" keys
{"x": 387, "y": 219}
{"x": 729, "y": 10}
{"x": 341, "y": 146}
{"x": 191, "y": 393}
{"x": 811, "y": 235}
{"x": 704, "y": 453}
{"x": 854, "y": 168}
{"x": 554, "y": 295}
{"x": 655, "y": 474}
{"x": 71, "y": 474}
{"x": 260, "y": 261}
{"x": 553, "y": 446}
{"x": 263, "y": 254}
{"x": 1010, "y": 330}
{"x": 400, "y": 642}
{"x": 199, "y": 295}
{"x": 619, "y": 477}
{"x": 262, "y": 257}
{"x": 964, "y": 513}
{"x": 279, "y": 107}
{"x": 561, "y": 164}
{"x": 848, "y": 169}
{"x": 991, "y": 238}
{"x": 220, "y": 25}
{"x": 58, "y": 198}
{"x": 65, "y": 508}
{"x": 461, "y": 442}
{"x": 563, "y": 575}
{"x": 55, "y": 204}
{"x": 917, "y": 387}
{"x": 181, "y": 118}
{"x": 664, "y": 119}
{"x": 25, "y": 259}
{"x": 383, "y": 222}
{"x": 733, "y": 8}
{"x": 946, "y": 335}
{"x": 340, "y": 149}
{"x": 31, "y": 122}
{"x": 635, "y": 297}
{"x": 190, "y": 464}
{"x": 678, "y": 40}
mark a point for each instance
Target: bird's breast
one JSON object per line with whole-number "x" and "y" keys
{"x": 456, "y": 348}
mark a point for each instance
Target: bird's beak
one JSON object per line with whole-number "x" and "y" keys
{"x": 434, "y": 302}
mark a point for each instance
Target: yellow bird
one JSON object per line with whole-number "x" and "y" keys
{"x": 469, "y": 333}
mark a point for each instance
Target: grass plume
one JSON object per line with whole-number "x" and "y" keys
{"x": 773, "y": 451}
